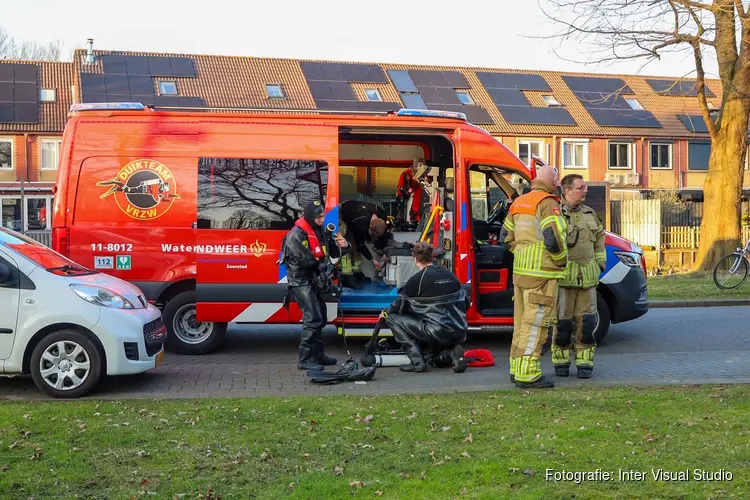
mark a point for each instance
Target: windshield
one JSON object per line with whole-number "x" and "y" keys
{"x": 41, "y": 255}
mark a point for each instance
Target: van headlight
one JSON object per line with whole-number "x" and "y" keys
{"x": 101, "y": 297}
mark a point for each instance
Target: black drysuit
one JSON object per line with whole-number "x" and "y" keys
{"x": 429, "y": 317}
{"x": 303, "y": 270}
{"x": 357, "y": 216}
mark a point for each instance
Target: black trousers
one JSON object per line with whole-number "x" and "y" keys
{"x": 314, "y": 319}
{"x": 420, "y": 338}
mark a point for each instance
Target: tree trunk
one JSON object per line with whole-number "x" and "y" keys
{"x": 720, "y": 227}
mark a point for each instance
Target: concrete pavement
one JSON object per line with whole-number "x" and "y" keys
{"x": 666, "y": 346}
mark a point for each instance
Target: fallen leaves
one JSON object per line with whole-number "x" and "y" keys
{"x": 143, "y": 454}
{"x": 339, "y": 471}
{"x": 379, "y": 493}
{"x": 357, "y": 484}
{"x": 469, "y": 439}
{"x": 465, "y": 454}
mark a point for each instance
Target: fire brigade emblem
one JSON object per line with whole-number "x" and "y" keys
{"x": 258, "y": 248}
{"x": 143, "y": 189}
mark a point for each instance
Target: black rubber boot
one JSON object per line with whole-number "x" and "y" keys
{"x": 361, "y": 278}
{"x": 309, "y": 364}
{"x": 320, "y": 357}
{"x": 585, "y": 372}
{"x": 562, "y": 370}
{"x": 458, "y": 358}
{"x": 540, "y": 383}
{"x": 418, "y": 364}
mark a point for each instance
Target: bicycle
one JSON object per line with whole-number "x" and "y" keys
{"x": 736, "y": 266}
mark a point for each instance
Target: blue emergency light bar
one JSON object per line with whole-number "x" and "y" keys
{"x": 93, "y": 106}
{"x": 431, "y": 113}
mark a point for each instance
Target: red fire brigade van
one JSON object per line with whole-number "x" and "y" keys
{"x": 191, "y": 206}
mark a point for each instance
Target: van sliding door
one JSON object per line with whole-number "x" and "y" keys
{"x": 254, "y": 180}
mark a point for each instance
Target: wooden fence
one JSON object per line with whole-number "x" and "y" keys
{"x": 687, "y": 237}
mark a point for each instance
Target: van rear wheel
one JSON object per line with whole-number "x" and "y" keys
{"x": 185, "y": 334}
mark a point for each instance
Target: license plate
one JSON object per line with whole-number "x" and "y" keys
{"x": 159, "y": 358}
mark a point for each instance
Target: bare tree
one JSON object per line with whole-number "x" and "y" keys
{"x": 622, "y": 30}
{"x": 28, "y": 50}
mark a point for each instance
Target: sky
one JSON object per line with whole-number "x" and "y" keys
{"x": 474, "y": 33}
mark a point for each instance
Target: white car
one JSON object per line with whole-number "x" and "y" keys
{"x": 67, "y": 325}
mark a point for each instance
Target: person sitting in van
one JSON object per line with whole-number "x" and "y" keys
{"x": 428, "y": 318}
{"x": 361, "y": 222}
{"x": 305, "y": 253}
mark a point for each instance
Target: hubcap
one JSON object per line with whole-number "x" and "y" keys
{"x": 187, "y": 328}
{"x": 65, "y": 365}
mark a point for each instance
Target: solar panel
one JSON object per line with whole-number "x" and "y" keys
{"x": 6, "y": 112}
{"x": 114, "y": 64}
{"x": 159, "y": 66}
{"x": 25, "y": 92}
{"x": 508, "y": 97}
{"x": 6, "y": 91}
{"x": 342, "y": 91}
{"x": 436, "y": 78}
{"x": 413, "y": 101}
{"x": 353, "y": 73}
{"x": 7, "y": 71}
{"x": 623, "y": 118}
{"x": 313, "y": 71}
{"x": 379, "y": 106}
{"x": 599, "y": 100}
{"x": 448, "y": 96}
{"x": 474, "y": 114}
{"x": 402, "y": 81}
{"x": 677, "y": 88}
{"x": 333, "y": 72}
{"x": 94, "y": 97}
{"x": 191, "y": 101}
{"x": 182, "y": 67}
{"x": 320, "y": 90}
{"x": 140, "y": 84}
{"x": 430, "y": 95}
{"x": 694, "y": 123}
{"x": 92, "y": 84}
{"x": 596, "y": 84}
{"x": 373, "y": 74}
{"x": 527, "y": 115}
{"x": 513, "y": 81}
{"x": 26, "y": 112}
{"x": 116, "y": 84}
{"x": 145, "y": 99}
{"x": 137, "y": 65}
{"x": 327, "y": 104}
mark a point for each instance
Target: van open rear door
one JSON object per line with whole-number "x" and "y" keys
{"x": 254, "y": 179}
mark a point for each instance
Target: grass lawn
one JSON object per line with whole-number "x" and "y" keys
{"x": 681, "y": 287}
{"x": 481, "y": 445}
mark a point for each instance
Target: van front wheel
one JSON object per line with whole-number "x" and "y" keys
{"x": 185, "y": 334}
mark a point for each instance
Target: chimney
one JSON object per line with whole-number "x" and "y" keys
{"x": 90, "y": 51}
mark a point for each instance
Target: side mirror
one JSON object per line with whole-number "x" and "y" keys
{"x": 4, "y": 273}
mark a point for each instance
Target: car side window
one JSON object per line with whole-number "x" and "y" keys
{"x": 8, "y": 274}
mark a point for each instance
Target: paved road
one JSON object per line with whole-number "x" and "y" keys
{"x": 666, "y": 346}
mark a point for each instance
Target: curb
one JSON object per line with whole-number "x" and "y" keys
{"x": 656, "y": 304}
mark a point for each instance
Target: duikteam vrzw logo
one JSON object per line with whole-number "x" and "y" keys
{"x": 143, "y": 189}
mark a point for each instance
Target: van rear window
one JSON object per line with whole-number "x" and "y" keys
{"x": 237, "y": 193}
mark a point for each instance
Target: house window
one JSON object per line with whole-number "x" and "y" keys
{"x": 698, "y": 154}
{"x": 37, "y": 213}
{"x": 634, "y": 103}
{"x": 50, "y": 153}
{"x": 373, "y": 95}
{"x": 551, "y": 101}
{"x": 275, "y": 91}
{"x": 465, "y": 98}
{"x": 661, "y": 156}
{"x": 168, "y": 88}
{"x": 575, "y": 154}
{"x": 6, "y": 153}
{"x": 619, "y": 155}
{"x": 10, "y": 212}
{"x": 529, "y": 147}
{"x": 48, "y": 95}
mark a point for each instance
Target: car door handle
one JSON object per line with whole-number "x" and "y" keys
{"x": 6, "y": 330}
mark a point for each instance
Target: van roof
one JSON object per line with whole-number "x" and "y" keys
{"x": 131, "y": 108}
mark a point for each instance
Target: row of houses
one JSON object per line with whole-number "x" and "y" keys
{"x": 638, "y": 134}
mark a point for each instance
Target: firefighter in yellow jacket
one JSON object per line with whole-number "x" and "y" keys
{"x": 576, "y": 305}
{"x": 535, "y": 231}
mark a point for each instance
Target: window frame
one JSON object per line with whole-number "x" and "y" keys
{"x": 43, "y": 140}
{"x": 47, "y": 206}
{"x": 631, "y": 100}
{"x": 460, "y": 93}
{"x": 377, "y": 94}
{"x": 555, "y": 104}
{"x": 585, "y": 144}
{"x": 701, "y": 143}
{"x": 275, "y": 86}
{"x": 529, "y": 142}
{"x": 670, "y": 149}
{"x": 173, "y": 82}
{"x": 631, "y": 163}
{"x": 9, "y": 197}
{"x": 12, "y": 142}
{"x": 41, "y": 95}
